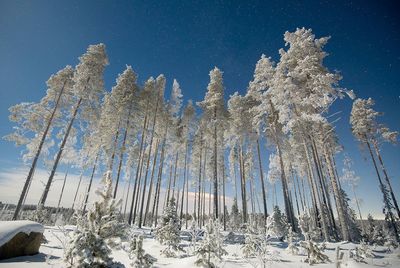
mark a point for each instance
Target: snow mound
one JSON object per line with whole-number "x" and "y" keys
{"x": 8, "y": 229}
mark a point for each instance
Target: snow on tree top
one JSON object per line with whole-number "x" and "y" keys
{"x": 8, "y": 229}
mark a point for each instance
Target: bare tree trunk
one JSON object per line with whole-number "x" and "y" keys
{"x": 243, "y": 185}
{"x": 223, "y": 194}
{"x": 200, "y": 169}
{"x": 90, "y": 183}
{"x": 145, "y": 182}
{"x": 158, "y": 186}
{"x": 187, "y": 202}
{"x": 58, "y": 157}
{"x": 396, "y": 206}
{"x": 175, "y": 172}
{"x": 122, "y": 151}
{"x": 115, "y": 145}
{"x": 262, "y": 181}
{"x": 386, "y": 198}
{"x": 184, "y": 182}
{"x": 151, "y": 183}
{"x": 215, "y": 210}
{"x": 62, "y": 190}
{"x": 36, "y": 158}
{"x": 339, "y": 200}
{"x": 137, "y": 169}
{"x": 358, "y": 208}
{"x": 77, "y": 190}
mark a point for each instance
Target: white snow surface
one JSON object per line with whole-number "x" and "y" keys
{"x": 51, "y": 255}
{"x": 8, "y": 229}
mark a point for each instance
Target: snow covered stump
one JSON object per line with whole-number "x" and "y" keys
{"x": 19, "y": 238}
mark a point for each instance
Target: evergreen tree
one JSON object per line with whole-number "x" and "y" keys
{"x": 139, "y": 258}
{"x": 167, "y": 233}
{"x": 210, "y": 250}
{"x": 276, "y": 224}
{"x": 97, "y": 232}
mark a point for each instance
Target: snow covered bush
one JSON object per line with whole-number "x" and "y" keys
{"x": 276, "y": 224}
{"x": 362, "y": 252}
{"x": 292, "y": 247}
{"x": 210, "y": 249}
{"x": 41, "y": 215}
{"x": 139, "y": 258}
{"x": 314, "y": 252}
{"x": 257, "y": 246}
{"x": 96, "y": 232}
{"x": 167, "y": 233}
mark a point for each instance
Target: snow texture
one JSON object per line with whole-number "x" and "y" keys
{"x": 8, "y": 229}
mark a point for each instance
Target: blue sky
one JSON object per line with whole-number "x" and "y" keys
{"x": 185, "y": 39}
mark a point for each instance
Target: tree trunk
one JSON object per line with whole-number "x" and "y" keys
{"x": 36, "y": 158}
{"x": 158, "y": 186}
{"x": 386, "y": 198}
{"x": 184, "y": 182}
{"x": 58, "y": 157}
{"x": 90, "y": 184}
{"x": 339, "y": 201}
{"x": 137, "y": 169}
{"x": 243, "y": 185}
{"x": 62, "y": 190}
{"x": 151, "y": 183}
{"x": 262, "y": 181}
{"x": 396, "y": 206}
{"x": 77, "y": 190}
{"x": 215, "y": 210}
{"x": 122, "y": 151}
{"x": 115, "y": 145}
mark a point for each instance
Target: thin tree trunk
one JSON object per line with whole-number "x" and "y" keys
{"x": 215, "y": 210}
{"x": 223, "y": 194}
{"x": 339, "y": 200}
{"x": 62, "y": 190}
{"x": 262, "y": 182}
{"x": 90, "y": 184}
{"x": 184, "y": 182}
{"x": 396, "y": 206}
{"x": 115, "y": 145}
{"x": 358, "y": 208}
{"x": 243, "y": 185}
{"x": 58, "y": 157}
{"x": 77, "y": 190}
{"x": 385, "y": 196}
{"x": 122, "y": 151}
{"x": 158, "y": 186}
{"x": 151, "y": 183}
{"x": 137, "y": 169}
{"x": 36, "y": 158}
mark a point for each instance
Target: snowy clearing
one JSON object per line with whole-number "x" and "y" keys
{"x": 51, "y": 255}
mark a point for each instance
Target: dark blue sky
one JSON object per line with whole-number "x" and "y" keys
{"x": 185, "y": 39}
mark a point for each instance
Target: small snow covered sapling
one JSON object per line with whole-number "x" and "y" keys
{"x": 96, "y": 232}
{"x": 256, "y": 245}
{"x": 210, "y": 249}
{"x": 252, "y": 243}
{"x": 194, "y": 234}
{"x": 167, "y": 233}
{"x": 362, "y": 252}
{"x": 390, "y": 239}
{"x": 276, "y": 224}
{"x": 139, "y": 258}
{"x": 292, "y": 247}
{"x": 314, "y": 251}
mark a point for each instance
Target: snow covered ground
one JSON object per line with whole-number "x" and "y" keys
{"x": 51, "y": 255}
